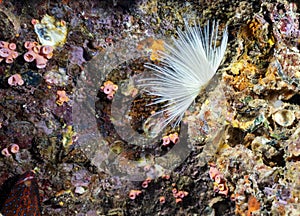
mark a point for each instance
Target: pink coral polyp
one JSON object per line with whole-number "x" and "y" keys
{"x": 15, "y": 80}
{"x": 40, "y": 61}
{"x": 29, "y": 56}
{"x": 107, "y": 90}
{"x": 45, "y": 50}
{"x": 14, "y": 148}
{"x": 4, "y": 52}
{"x": 166, "y": 140}
{"x": 30, "y": 44}
{"x": 5, "y": 152}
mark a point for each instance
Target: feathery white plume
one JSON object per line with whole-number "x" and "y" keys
{"x": 187, "y": 66}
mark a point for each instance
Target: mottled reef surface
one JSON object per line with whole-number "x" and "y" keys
{"x": 72, "y": 112}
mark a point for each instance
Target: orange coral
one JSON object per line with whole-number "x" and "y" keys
{"x": 157, "y": 45}
{"x": 253, "y": 205}
{"x": 61, "y": 97}
{"x": 154, "y": 45}
{"x": 242, "y": 72}
{"x": 174, "y": 137}
{"x": 178, "y": 200}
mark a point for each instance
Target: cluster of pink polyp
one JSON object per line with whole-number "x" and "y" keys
{"x": 7, "y": 52}
{"x": 220, "y": 185}
{"x": 179, "y": 194}
{"x": 174, "y": 138}
{"x": 39, "y": 53}
{"x": 109, "y": 88}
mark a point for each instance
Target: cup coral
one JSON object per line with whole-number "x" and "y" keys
{"x": 166, "y": 140}
{"x": 134, "y": 193}
{"x": 162, "y": 199}
{"x": 185, "y": 68}
{"x": 39, "y": 53}
{"x": 61, "y": 97}
{"x": 14, "y": 148}
{"x": 15, "y": 79}
{"x": 7, "y": 52}
{"x": 174, "y": 138}
{"x": 220, "y": 185}
{"x": 109, "y": 88}
{"x": 5, "y": 152}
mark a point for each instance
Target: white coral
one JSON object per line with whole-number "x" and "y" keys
{"x": 187, "y": 66}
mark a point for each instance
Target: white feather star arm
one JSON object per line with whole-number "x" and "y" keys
{"x": 187, "y": 66}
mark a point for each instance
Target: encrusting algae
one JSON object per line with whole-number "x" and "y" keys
{"x": 50, "y": 32}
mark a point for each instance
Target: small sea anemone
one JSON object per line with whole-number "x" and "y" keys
{"x": 186, "y": 67}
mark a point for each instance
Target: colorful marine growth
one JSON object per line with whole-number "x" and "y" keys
{"x": 68, "y": 69}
